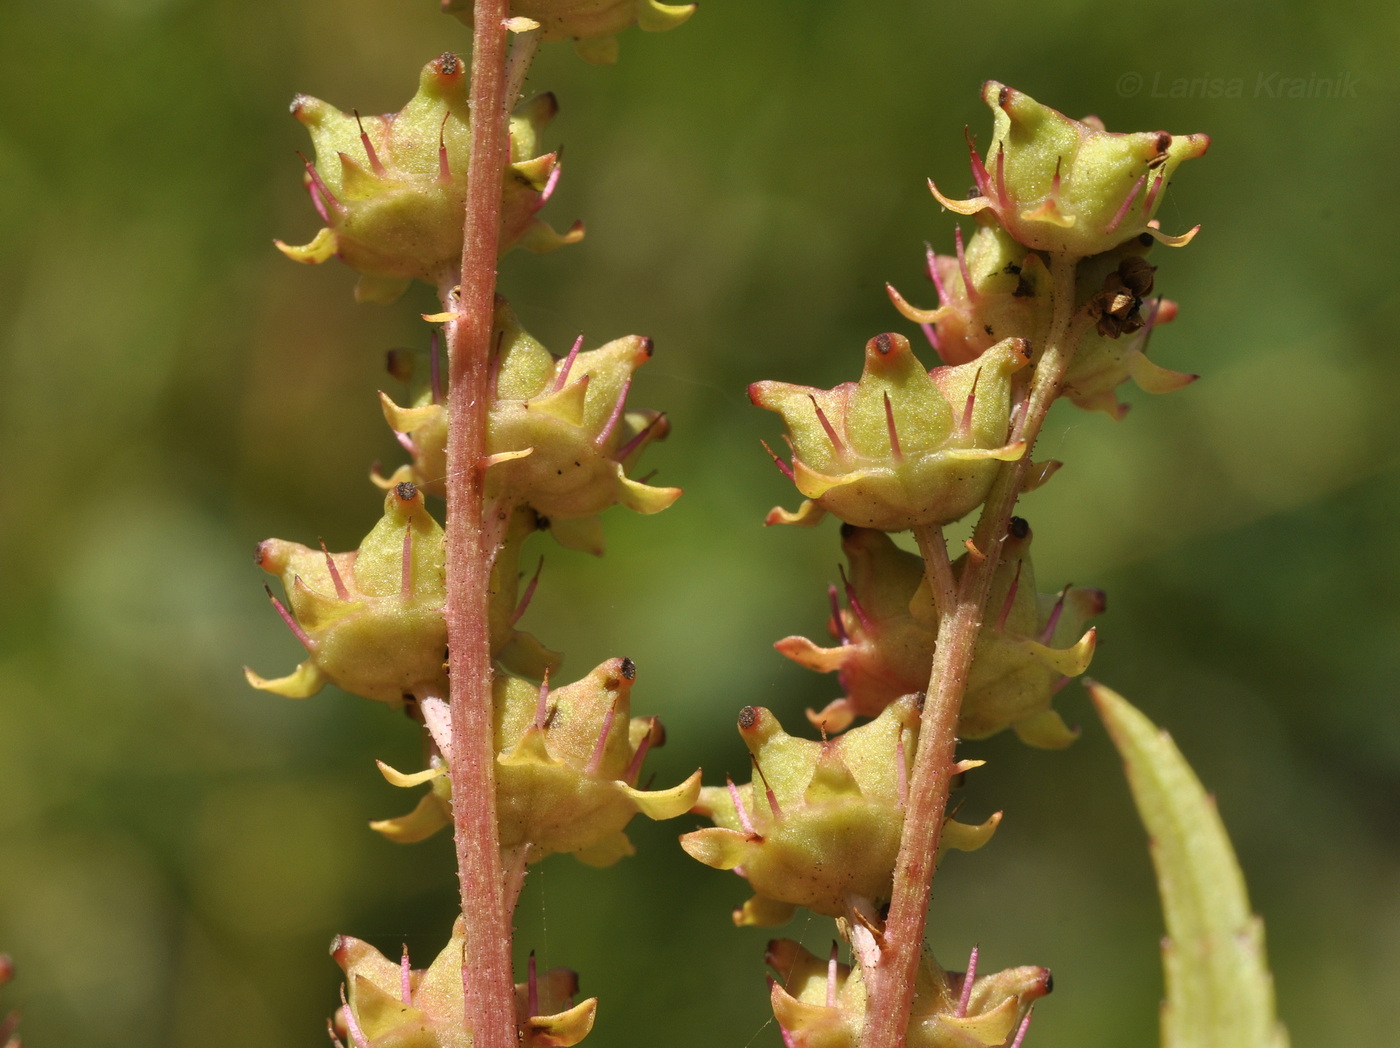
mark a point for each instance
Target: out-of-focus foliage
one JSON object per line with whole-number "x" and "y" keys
{"x": 176, "y": 850}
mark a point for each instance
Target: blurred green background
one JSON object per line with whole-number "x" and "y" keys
{"x": 176, "y": 850}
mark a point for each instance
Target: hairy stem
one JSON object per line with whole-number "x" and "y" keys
{"x": 487, "y": 976}
{"x": 891, "y": 985}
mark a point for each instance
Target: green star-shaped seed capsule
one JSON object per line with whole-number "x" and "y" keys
{"x": 568, "y": 760}
{"x": 1069, "y": 186}
{"x": 889, "y": 626}
{"x": 371, "y": 619}
{"x": 821, "y": 1003}
{"x": 997, "y": 289}
{"x": 903, "y": 446}
{"x": 819, "y": 825}
{"x": 558, "y": 436}
{"x": 392, "y": 189}
{"x": 390, "y": 1003}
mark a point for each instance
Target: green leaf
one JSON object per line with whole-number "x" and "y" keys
{"x": 1219, "y": 990}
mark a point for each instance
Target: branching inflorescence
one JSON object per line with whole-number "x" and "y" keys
{"x": 518, "y": 440}
{"x": 1050, "y": 297}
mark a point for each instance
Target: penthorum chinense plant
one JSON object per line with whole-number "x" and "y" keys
{"x": 1051, "y": 296}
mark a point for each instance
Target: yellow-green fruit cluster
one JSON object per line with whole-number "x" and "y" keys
{"x": 903, "y": 446}
{"x": 387, "y": 1003}
{"x": 559, "y": 437}
{"x": 1069, "y": 186}
{"x": 1030, "y": 643}
{"x": 997, "y": 289}
{"x": 392, "y": 189}
{"x": 819, "y": 825}
{"x": 821, "y": 1004}
{"x": 371, "y": 619}
{"x": 567, "y": 763}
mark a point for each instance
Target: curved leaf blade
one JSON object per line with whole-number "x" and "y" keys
{"x": 1220, "y": 993}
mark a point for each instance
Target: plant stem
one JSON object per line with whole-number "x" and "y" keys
{"x": 487, "y": 977}
{"x": 891, "y": 985}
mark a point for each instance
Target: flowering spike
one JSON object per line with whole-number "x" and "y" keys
{"x": 567, "y": 365}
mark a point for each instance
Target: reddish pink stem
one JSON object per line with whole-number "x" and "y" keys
{"x": 891, "y": 984}
{"x": 487, "y": 977}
